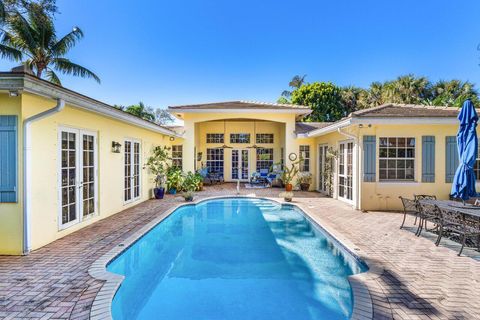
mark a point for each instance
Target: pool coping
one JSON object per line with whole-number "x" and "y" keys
{"x": 102, "y": 304}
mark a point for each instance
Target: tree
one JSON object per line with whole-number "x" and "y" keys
{"x": 296, "y": 82}
{"x": 452, "y": 93}
{"x": 163, "y": 117}
{"x": 31, "y": 38}
{"x": 406, "y": 89}
{"x": 324, "y": 98}
{"x": 140, "y": 111}
{"x": 354, "y": 98}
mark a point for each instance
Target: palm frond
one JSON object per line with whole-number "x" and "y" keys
{"x": 67, "y": 67}
{"x": 3, "y": 13}
{"x": 10, "y": 53}
{"x": 22, "y": 35}
{"x": 52, "y": 77}
{"x": 67, "y": 42}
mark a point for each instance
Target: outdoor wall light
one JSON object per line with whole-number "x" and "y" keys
{"x": 116, "y": 147}
{"x": 172, "y": 138}
{"x": 13, "y": 93}
{"x": 199, "y": 156}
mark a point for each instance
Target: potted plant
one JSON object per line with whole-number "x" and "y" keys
{"x": 157, "y": 163}
{"x": 304, "y": 179}
{"x": 189, "y": 185}
{"x": 287, "y": 196}
{"x": 174, "y": 180}
{"x": 289, "y": 174}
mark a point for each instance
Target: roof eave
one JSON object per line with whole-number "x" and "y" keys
{"x": 29, "y": 84}
{"x": 404, "y": 120}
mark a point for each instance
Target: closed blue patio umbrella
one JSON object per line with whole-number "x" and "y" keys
{"x": 464, "y": 181}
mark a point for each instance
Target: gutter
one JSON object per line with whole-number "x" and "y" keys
{"x": 357, "y": 162}
{"x": 26, "y": 170}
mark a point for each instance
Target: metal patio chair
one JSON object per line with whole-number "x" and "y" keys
{"x": 419, "y": 197}
{"x": 428, "y": 213}
{"x": 460, "y": 224}
{"x": 410, "y": 207}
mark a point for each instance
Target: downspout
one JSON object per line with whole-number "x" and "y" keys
{"x": 357, "y": 171}
{"x": 26, "y": 170}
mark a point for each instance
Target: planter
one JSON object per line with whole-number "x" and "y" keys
{"x": 304, "y": 186}
{"x": 288, "y": 187}
{"x": 172, "y": 191}
{"x": 188, "y": 199}
{"x": 287, "y": 199}
{"x": 159, "y": 193}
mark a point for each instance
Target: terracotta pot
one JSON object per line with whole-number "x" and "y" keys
{"x": 288, "y": 187}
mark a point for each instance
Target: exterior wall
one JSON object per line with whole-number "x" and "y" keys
{"x": 332, "y": 140}
{"x": 45, "y": 177}
{"x": 238, "y": 127}
{"x": 11, "y": 224}
{"x": 384, "y": 195}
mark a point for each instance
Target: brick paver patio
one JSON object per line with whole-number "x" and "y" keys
{"x": 419, "y": 281}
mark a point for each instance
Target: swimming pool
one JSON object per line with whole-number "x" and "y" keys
{"x": 235, "y": 258}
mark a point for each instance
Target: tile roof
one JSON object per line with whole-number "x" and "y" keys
{"x": 241, "y": 104}
{"x": 406, "y": 111}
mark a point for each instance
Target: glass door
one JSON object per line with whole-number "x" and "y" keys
{"x": 322, "y": 168}
{"x": 345, "y": 171}
{"x": 240, "y": 164}
{"x": 78, "y": 175}
{"x": 131, "y": 188}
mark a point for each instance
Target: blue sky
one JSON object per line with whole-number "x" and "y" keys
{"x": 175, "y": 52}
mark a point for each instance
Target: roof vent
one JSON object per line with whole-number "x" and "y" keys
{"x": 22, "y": 69}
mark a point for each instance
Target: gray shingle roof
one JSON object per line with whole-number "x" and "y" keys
{"x": 304, "y": 127}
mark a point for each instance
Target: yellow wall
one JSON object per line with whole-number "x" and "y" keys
{"x": 45, "y": 170}
{"x": 11, "y": 213}
{"x": 384, "y": 195}
{"x": 238, "y": 127}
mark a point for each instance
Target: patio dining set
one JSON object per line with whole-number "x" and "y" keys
{"x": 449, "y": 218}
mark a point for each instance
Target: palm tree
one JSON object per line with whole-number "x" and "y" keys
{"x": 141, "y": 111}
{"x": 296, "y": 82}
{"x": 33, "y": 41}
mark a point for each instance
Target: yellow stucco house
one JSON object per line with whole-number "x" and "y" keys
{"x": 67, "y": 160}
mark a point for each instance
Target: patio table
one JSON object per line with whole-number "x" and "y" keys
{"x": 454, "y": 205}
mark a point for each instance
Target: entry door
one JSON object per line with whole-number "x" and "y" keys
{"x": 345, "y": 171}
{"x": 240, "y": 164}
{"x": 131, "y": 170}
{"x": 78, "y": 174}
{"x": 322, "y": 168}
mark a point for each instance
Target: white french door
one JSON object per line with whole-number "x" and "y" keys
{"x": 240, "y": 164}
{"x": 345, "y": 171}
{"x": 78, "y": 176}
{"x": 322, "y": 168}
{"x": 131, "y": 170}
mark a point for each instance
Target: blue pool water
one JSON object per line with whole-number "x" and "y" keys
{"x": 234, "y": 259}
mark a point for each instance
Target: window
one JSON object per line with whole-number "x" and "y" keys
{"x": 397, "y": 159}
{"x": 215, "y": 160}
{"x": 264, "y": 138}
{"x": 264, "y": 158}
{"x": 8, "y": 158}
{"x": 215, "y": 137}
{"x": 305, "y": 158}
{"x": 132, "y": 170}
{"x": 239, "y": 137}
{"x": 177, "y": 156}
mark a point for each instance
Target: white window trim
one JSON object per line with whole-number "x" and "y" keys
{"x": 80, "y": 217}
{"x": 337, "y": 179}
{"x": 133, "y": 199}
{"x": 240, "y": 150}
{"x": 321, "y": 145}
{"x": 309, "y": 158}
{"x": 415, "y": 162}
